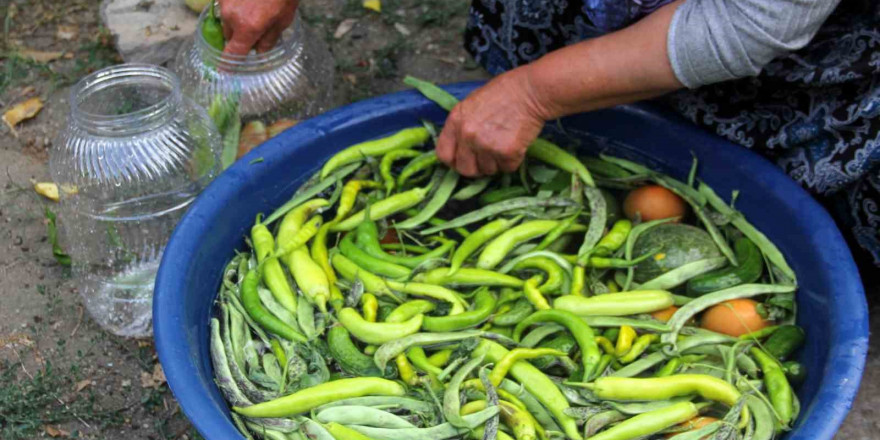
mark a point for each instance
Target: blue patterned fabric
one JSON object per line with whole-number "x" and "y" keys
{"x": 814, "y": 112}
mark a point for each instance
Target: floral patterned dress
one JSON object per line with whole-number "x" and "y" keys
{"x": 815, "y": 112}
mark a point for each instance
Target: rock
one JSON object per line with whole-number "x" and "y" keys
{"x": 148, "y": 31}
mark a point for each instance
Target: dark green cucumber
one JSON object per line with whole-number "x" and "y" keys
{"x": 349, "y": 358}
{"x": 751, "y": 266}
{"x": 784, "y": 341}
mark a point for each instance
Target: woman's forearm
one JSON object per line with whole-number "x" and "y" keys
{"x": 618, "y": 68}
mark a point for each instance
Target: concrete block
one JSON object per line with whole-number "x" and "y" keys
{"x": 148, "y": 31}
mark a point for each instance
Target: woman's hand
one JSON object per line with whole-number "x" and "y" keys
{"x": 492, "y": 128}
{"x": 255, "y": 24}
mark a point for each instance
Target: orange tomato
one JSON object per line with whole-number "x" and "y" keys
{"x": 735, "y": 317}
{"x": 665, "y": 314}
{"x": 693, "y": 425}
{"x": 653, "y": 202}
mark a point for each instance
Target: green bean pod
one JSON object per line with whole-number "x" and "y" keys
{"x": 422, "y": 162}
{"x": 438, "y": 200}
{"x": 364, "y": 415}
{"x": 406, "y": 138}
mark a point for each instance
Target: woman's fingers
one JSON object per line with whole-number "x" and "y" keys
{"x": 269, "y": 39}
{"x": 466, "y": 161}
{"x": 447, "y": 140}
{"x": 486, "y": 163}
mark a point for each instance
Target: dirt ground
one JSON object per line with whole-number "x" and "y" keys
{"x": 60, "y": 375}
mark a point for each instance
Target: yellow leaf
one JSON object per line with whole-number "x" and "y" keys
{"x": 55, "y": 432}
{"x": 280, "y": 125}
{"x": 48, "y": 190}
{"x": 22, "y": 111}
{"x": 81, "y": 385}
{"x": 41, "y": 56}
{"x": 373, "y": 5}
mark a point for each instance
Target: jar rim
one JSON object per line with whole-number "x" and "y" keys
{"x": 138, "y": 120}
{"x": 242, "y": 62}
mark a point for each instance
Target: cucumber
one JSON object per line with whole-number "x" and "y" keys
{"x": 751, "y": 266}
{"x": 784, "y": 341}
{"x": 350, "y": 359}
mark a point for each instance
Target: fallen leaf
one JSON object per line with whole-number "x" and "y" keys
{"x": 252, "y": 134}
{"x": 402, "y": 29}
{"x": 15, "y": 339}
{"x": 67, "y": 32}
{"x": 373, "y": 5}
{"x": 81, "y": 385}
{"x": 41, "y": 56}
{"x": 143, "y": 343}
{"x": 48, "y": 190}
{"x": 154, "y": 380}
{"x": 280, "y": 125}
{"x": 55, "y": 432}
{"x": 344, "y": 27}
{"x": 22, "y": 111}
{"x": 350, "y": 77}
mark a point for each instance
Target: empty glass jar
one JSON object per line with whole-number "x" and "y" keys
{"x": 270, "y": 90}
{"x": 133, "y": 155}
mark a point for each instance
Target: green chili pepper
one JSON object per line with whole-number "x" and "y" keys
{"x": 533, "y": 294}
{"x": 406, "y": 138}
{"x": 649, "y": 423}
{"x": 501, "y": 246}
{"x": 556, "y": 275}
{"x": 420, "y": 360}
{"x": 212, "y": 30}
{"x": 472, "y": 189}
{"x": 578, "y": 280}
{"x": 669, "y": 368}
{"x": 778, "y": 389}
{"x": 370, "y": 263}
{"x": 484, "y": 304}
{"x": 273, "y": 273}
{"x": 313, "y": 397}
{"x": 478, "y": 238}
{"x": 469, "y": 277}
{"x": 583, "y": 334}
{"x": 616, "y": 304}
{"x": 372, "y": 282}
{"x": 250, "y": 298}
{"x": 422, "y": 162}
{"x": 342, "y": 432}
{"x": 409, "y": 309}
{"x": 377, "y": 332}
{"x": 431, "y": 291}
{"x": 625, "y": 338}
{"x": 439, "y": 199}
{"x": 521, "y": 309}
{"x": 383, "y": 208}
{"x": 614, "y": 239}
{"x": 385, "y": 166}
{"x": 638, "y": 347}
{"x": 536, "y": 383}
{"x": 502, "y": 194}
{"x": 550, "y": 153}
{"x": 663, "y": 388}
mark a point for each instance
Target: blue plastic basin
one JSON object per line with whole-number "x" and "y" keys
{"x": 831, "y": 298}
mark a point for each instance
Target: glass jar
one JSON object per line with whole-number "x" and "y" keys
{"x": 290, "y": 82}
{"x": 133, "y": 155}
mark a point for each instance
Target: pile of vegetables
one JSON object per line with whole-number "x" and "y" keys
{"x": 392, "y": 299}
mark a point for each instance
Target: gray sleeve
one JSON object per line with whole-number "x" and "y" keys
{"x": 710, "y": 41}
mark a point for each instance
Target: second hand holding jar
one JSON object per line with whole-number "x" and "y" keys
{"x": 256, "y": 96}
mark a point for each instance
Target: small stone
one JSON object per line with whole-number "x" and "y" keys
{"x": 402, "y": 29}
{"x": 126, "y": 383}
{"x": 344, "y": 27}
